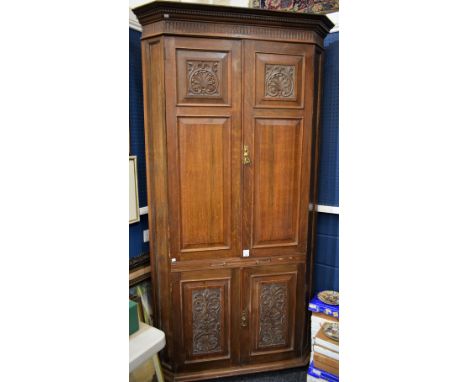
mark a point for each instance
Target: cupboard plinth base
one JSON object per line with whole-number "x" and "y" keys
{"x": 236, "y": 370}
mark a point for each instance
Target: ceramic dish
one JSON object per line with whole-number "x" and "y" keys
{"x": 329, "y": 297}
{"x": 332, "y": 330}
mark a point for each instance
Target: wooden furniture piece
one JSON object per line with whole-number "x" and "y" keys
{"x": 145, "y": 344}
{"x": 231, "y": 103}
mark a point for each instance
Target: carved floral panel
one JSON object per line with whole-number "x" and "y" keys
{"x": 206, "y": 320}
{"x": 203, "y": 78}
{"x": 273, "y": 315}
{"x": 279, "y": 81}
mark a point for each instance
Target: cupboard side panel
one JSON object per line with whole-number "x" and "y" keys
{"x": 311, "y": 245}
{"x": 156, "y": 173}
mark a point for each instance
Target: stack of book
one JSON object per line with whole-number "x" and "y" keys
{"x": 315, "y": 305}
{"x": 318, "y": 319}
{"x": 324, "y": 365}
{"x": 316, "y": 375}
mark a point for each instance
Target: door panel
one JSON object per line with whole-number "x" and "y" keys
{"x": 203, "y": 77}
{"x": 274, "y": 297}
{"x": 205, "y": 301}
{"x": 205, "y": 183}
{"x": 204, "y": 147}
{"x": 273, "y": 304}
{"x": 277, "y": 158}
{"x": 277, "y": 133}
{"x": 279, "y": 80}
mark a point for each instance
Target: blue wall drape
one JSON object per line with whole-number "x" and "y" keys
{"x": 326, "y": 263}
{"x": 137, "y": 142}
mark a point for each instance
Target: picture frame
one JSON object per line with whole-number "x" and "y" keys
{"x": 134, "y": 207}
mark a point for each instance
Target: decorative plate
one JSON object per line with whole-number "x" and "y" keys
{"x": 332, "y": 330}
{"x": 329, "y": 297}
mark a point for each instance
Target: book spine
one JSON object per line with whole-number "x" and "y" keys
{"x": 314, "y": 308}
{"x": 314, "y": 378}
{"x": 327, "y": 345}
{"x": 315, "y": 372}
{"x": 324, "y": 375}
{"x": 323, "y": 316}
{"x": 326, "y": 352}
{"x": 320, "y": 359}
{"x": 320, "y": 309}
{"x": 326, "y": 367}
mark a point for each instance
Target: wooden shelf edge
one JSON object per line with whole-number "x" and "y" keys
{"x": 140, "y": 274}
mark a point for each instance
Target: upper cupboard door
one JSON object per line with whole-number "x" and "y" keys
{"x": 277, "y": 139}
{"x": 203, "y": 103}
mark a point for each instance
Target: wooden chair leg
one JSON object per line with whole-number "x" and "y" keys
{"x": 157, "y": 368}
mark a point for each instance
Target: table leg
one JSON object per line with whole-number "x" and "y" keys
{"x": 157, "y": 368}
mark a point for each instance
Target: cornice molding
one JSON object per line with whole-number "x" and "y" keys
{"x": 171, "y": 11}
{"x": 218, "y": 29}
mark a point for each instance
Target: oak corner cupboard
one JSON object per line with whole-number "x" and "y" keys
{"x": 231, "y": 104}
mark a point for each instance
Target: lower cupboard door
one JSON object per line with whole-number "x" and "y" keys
{"x": 203, "y": 325}
{"x": 272, "y": 316}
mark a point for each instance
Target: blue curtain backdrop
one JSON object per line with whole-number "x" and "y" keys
{"x": 137, "y": 142}
{"x": 326, "y": 259}
{"x": 326, "y": 262}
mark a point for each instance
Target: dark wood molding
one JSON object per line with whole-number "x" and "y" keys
{"x": 138, "y": 275}
{"x": 236, "y": 262}
{"x": 232, "y": 31}
{"x": 204, "y": 375}
{"x": 137, "y": 266}
{"x": 199, "y": 13}
{"x": 139, "y": 261}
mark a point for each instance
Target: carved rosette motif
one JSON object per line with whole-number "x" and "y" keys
{"x": 203, "y": 78}
{"x": 273, "y": 314}
{"x": 206, "y": 320}
{"x": 279, "y": 81}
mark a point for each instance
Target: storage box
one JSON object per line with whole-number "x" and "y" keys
{"x": 133, "y": 320}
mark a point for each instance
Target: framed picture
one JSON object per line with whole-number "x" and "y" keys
{"x": 306, "y": 6}
{"x": 142, "y": 294}
{"x": 133, "y": 190}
